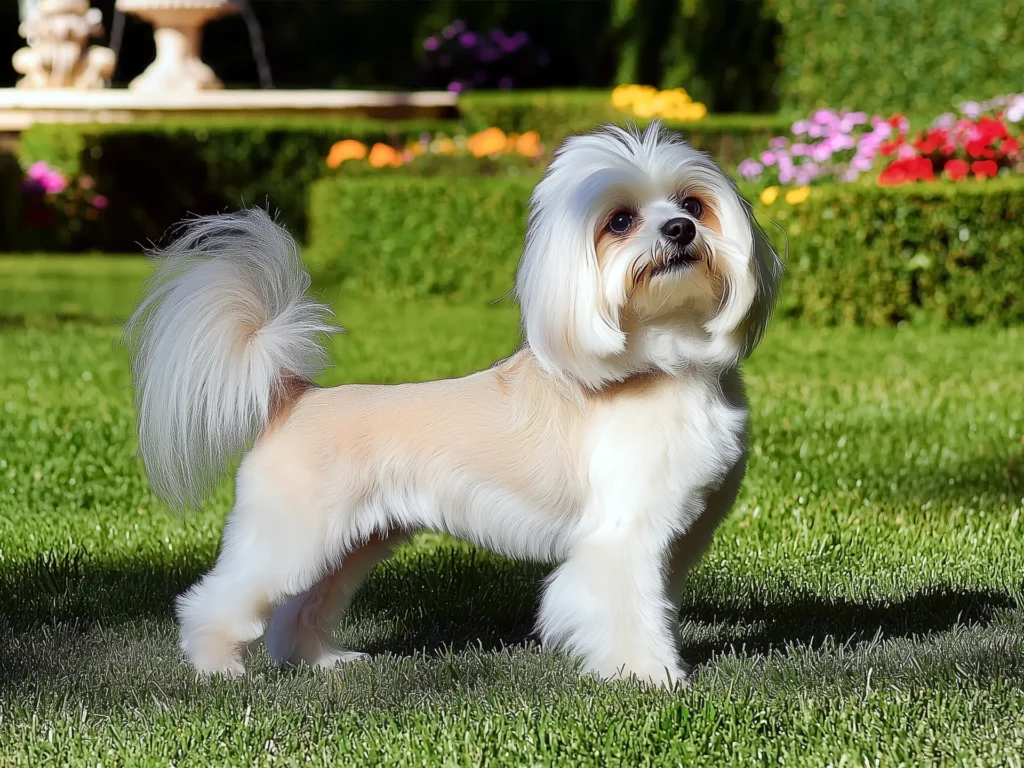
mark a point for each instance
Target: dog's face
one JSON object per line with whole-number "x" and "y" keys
{"x": 640, "y": 255}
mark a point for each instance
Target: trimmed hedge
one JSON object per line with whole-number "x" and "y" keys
{"x": 156, "y": 174}
{"x": 911, "y": 56}
{"x": 870, "y": 255}
{"x": 858, "y": 255}
{"x": 556, "y": 114}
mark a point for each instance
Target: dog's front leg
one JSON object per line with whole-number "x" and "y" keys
{"x": 608, "y": 605}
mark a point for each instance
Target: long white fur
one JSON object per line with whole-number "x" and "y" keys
{"x": 225, "y": 322}
{"x": 611, "y": 444}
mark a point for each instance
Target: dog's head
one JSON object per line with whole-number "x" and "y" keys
{"x": 640, "y": 255}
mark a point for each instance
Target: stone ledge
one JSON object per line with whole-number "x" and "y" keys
{"x": 21, "y": 108}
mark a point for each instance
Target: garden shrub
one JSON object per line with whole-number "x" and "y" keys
{"x": 155, "y": 174}
{"x": 556, "y": 114}
{"x": 914, "y": 56}
{"x": 858, "y": 254}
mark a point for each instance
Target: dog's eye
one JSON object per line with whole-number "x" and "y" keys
{"x": 621, "y": 223}
{"x": 693, "y": 207}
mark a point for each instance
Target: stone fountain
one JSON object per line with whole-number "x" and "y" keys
{"x": 178, "y": 33}
{"x": 57, "y": 55}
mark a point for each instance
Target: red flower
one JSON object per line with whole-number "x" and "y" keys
{"x": 1010, "y": 146}
{"x": 991, "y": 129}
{"x": 984, "y": 168}
{"x": 978, "y": 148}
{"x": 910, "y": 169}
{"x": 889, "y": 147}
{"x": 932, "y": 141}
{"x": 956, "y": 169}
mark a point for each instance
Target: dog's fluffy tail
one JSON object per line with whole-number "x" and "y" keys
{"x": 223, "y": 331}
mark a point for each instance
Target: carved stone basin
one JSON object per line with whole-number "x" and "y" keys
{"x": 178, "y": 33}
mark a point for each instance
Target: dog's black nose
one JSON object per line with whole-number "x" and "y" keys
{"x": 680, "y": 231}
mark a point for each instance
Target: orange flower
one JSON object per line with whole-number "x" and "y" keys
{"x": 445, "y": 146}
{"x": 487, "y": 142}
{"x": 382, "y": 155}
{"x": 528, "y": 145}
{"x": 349, "y": 149}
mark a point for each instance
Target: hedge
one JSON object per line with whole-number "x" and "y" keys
{"x": 556, "y": 114}
{"x": 155, "y": 174}
{"x": 910, "y": 56}
{"x": 858, "y": 255}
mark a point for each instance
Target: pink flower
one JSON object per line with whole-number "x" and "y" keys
{"x": 972, "y": 109}
{"x": 750, "y": 168}
{"x": 821, "y": 152}
{"x": 905, "y": 152}
{"x": 768, "y": 158}
{"x": 800, "y": 127}
{"x": 799, "y": 149}
{"x": 100, "y": 201}
{"x": 861, "y": 163}
{"x": 779, "y": 142}
{"x": 431, "y": 44}
{"x": 53, "y": 182}
{"x": 824, "y": 117}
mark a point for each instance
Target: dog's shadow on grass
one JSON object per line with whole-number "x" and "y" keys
{"x": 451, "y": 600}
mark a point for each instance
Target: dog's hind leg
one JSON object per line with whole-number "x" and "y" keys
{"x": 300, "y": 628}
{"x": 266, "y": 555}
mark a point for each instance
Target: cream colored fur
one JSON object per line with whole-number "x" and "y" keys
{"x": 610, "y": 445}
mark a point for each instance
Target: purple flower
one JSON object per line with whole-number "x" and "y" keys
{"x": 467, "y": 39}
{"x": 785, "y": 175}
{"x": 800, "y": 127}
{"x": 431, "y": 44}
{"x": 458, "y": 26}
{"x": 779, "y": 142}
{"x": 785, "y": 164}
{"x": 519, "y": 39}
{"x": 505, "y": 83}
{"x": 945, "y": 120}
{"x": 456, "y": 87}
{"x": 750, "y": 168}
{"x": 861, "y": 163}
{"x": 824, "y": 117}
{"x": 821, "y": 152}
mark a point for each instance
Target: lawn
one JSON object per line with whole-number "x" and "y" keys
{"x": 862, "y": 604}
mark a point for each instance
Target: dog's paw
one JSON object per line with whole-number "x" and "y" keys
{"x": 668, "y": 677}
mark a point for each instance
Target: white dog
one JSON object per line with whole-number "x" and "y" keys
{"x": 611, "y": 444}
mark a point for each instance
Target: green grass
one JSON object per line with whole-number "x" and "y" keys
{"x": 862, "y": 605}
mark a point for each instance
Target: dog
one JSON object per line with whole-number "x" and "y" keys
{"x": 610, "y": 445}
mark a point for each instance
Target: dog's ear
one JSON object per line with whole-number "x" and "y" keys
{"x": 569, "y": 322}
{"x": 751, "y": 270}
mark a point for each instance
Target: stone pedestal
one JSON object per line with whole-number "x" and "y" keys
{"x": 58, "y": 55}
{"x": 178, "y": 32}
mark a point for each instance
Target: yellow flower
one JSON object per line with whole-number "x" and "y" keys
{"x": 349, "y": 149}
{"x": 769, "y": 195}
{"x": 798, "y": 195}
{"x": 628, "y": 95}
{"x": 445, "y": 146}
{"x": 488, "y": 142}
{"x": 382, "y": 155}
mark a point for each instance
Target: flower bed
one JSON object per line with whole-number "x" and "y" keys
{"x": 983, "y": 141}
